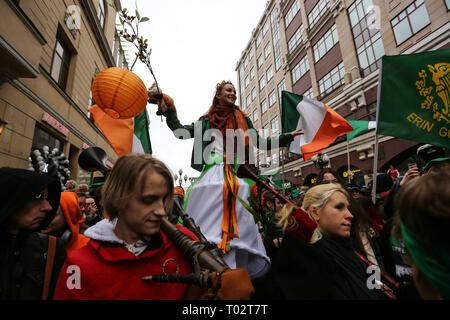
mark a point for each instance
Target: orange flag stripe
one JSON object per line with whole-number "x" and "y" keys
{"x": 119, "y": 132}
{"x": 333, "y": 126}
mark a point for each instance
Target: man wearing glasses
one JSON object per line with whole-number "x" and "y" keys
{"x": 29, "y": 203}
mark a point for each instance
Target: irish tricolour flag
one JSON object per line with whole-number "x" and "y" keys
{"x": 359, "y": 127}
{"x": 124, "y": 135}
{"x": 321, "y": 125}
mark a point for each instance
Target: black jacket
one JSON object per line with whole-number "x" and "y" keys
{"x": 22, "y": 265}
{"x": 308, "y": 271}
{"x": 23, "y": 256}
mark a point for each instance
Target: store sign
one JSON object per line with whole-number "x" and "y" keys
{"x": 55, "y": 124}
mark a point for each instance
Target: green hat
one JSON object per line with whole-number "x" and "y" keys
{"x": 434, "y": 161}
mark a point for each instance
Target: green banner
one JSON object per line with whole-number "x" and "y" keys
{"x": 414, "y": 101}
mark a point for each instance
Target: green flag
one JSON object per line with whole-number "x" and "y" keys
{"x": 414, "y": 101}
{"x": 360, "y": 127}
{"x": 141, "y": 133}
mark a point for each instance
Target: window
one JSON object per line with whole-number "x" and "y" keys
{"x": 410, "y": 21}
{"x": 260, "y": 61}
{"x": 325, "y": 43}
{"x": 282, "y": 156}
{"x": 309, "y": 93}
{"x": 251, "y": 54}
{"x": 296, "y": 39}
{"x": 317, "y": 12}
{"x": 253, "y": 94}
{"x": 276, "y": 40}
{"x": 274, "y": 124}
{"x": 255, "y": 115}
{"x": 269, "y": 73}
{"x": 263, "y": 106}
{"x": 272, "y": 98}
{"x": 43, "y": 138}
{"x": 101, "y": 13}
{"x": 258, "y": 40}
{"x": 281, "y": 87}
{"x": 246, "y": 62}
{"x": 267, "y": 50}
{"x": 247, "y": 81}
{"x": 248, "y": 101}
{"x": 292, "y": 12}
{"x": 300, "y": 69}
{"x": 274, "y": 158}
{"x": 262, "y": 83}
{"x": 447, "y": 3}
{"x": 252, "y": 73}
{"x": 278, "y": 56}
{"x": 369, "y": 45}
{"x": 266, "y": 131}
{"x": 372, "y": 111}
{"x": 265, "y": 28}
{"x": 332, "y": 80}
{"x": 60, "y": 64}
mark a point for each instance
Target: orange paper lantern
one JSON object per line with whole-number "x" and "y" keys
{"x": 119, "y": 92}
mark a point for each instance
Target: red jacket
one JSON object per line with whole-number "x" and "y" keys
{"x": 113, "y": 273}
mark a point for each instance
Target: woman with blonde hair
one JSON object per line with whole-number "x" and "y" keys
{"x": 326, "y": 266}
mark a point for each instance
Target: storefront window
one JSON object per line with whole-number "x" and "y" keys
{"x": 43, "y": 138}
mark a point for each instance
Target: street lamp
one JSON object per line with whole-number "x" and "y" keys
{"x": 180, "y": 177}
{"x": 321, "y": 161}
{"x": 3, "y": 124}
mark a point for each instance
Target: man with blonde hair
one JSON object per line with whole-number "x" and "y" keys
{"x": 129, "y": 245}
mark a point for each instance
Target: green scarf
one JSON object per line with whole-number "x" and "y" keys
{"x": 436, "y": 268}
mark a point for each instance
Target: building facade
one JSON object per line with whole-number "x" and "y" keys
{"x": 333, "y": 54}
{"x": 50, "y": 52}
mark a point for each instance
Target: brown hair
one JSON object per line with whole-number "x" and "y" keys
{"x": 219, "y": 88}
{"x": 128, "y": 173}
{"x": 423, "y": 206}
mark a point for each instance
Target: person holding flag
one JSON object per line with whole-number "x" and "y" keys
{"x": 217, "y": 201}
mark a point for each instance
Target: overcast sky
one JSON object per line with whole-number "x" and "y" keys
{"x": 195, "y": 44}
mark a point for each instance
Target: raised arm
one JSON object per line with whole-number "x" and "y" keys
{"x": 281, "y": 140}
{"x": 166, "y": 107}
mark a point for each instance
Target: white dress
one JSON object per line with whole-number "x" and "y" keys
{"x": 204, "y": 203}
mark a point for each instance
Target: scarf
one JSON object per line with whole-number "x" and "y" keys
{"x": 226, "y": 117}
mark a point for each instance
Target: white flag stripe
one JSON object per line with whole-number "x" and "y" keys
{"x": 137, "y": 145}
{"x": 316, "y": 112}
{"x": 372, "y": 125}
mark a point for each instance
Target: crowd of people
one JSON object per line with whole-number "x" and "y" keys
{"x": 329, "y": 242}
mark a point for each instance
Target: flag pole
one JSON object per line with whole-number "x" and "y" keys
{"x": 375, "y": 170}
{"x": 375, "y": 160}
{"x": 348, "y": 163}
{"x": 282, "y": 171}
